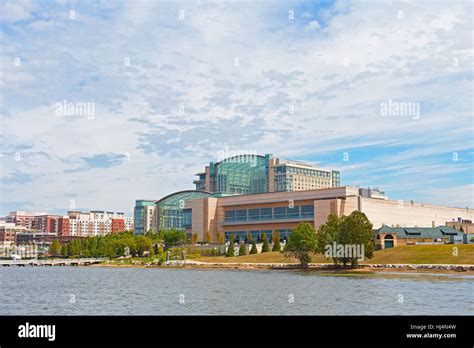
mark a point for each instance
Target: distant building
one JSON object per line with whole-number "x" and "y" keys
{"x": 40, "y": 239}
{"x": 8, "y": 232}
{"x": 23, "y": 218}
{"x": 78, "y": 224}
{"x": 372, "y": 193}
{"x": 46, "y": 223}
{"x": 466, "y": 225}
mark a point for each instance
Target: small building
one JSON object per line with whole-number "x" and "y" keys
{"x": 389, "y": 237}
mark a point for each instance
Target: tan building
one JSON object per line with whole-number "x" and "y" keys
{"x": 282, "y": 211}
{"x": 466, "y": 225}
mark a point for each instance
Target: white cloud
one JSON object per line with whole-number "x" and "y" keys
{"x": 335, "y": 81}
{"x": 313, "y": 25}
{"x": 15, "y": 11}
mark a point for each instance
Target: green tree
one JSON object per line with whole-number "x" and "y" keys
{"x": 265, "y": 246}
{"x": 93, "y": 246}
{"x": 55, "y": 248}
{"x": 143, "y": 244}
{"x": 64, "y": 250}
{"x": 174, "y": 237}
{"x": 70, "y": 249}
{"x": 230, "y": 249}
{"x": 253, "y": 250}
{"x": 276, "y": 242}
{"x": 352, "y": 232}
{"x": 301, "y": 243}
{"x": 208, "y": 238}
{"x": 356, "y": 230}
{"x": 194, "y": 238}
{"x": 327, "y": 234}
{"x": 242, "y": 250}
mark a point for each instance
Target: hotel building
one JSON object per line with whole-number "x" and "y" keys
{"x": 237, "y": 175}
{"x": 247, "y": 174}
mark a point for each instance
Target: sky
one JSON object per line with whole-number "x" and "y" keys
{"x": 106, "y": 102}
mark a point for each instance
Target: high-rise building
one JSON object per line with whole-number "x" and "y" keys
{"x": 250, "y": 174}
{"x": 144, "y": 216}
{"x": 287, "y": 176}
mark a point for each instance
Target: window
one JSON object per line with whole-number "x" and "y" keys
{"x": 293, "y": 212}
{"x": 266, "y": 213}
{"x": 279, "y": 213}
{"x": 254, "y": 214}
{"x": 307, "y": 211}
{"x": 230, "y": 215}
{"x": 240, "y": 215}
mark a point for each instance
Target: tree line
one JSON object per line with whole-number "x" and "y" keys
{"x": 118, "y": 244}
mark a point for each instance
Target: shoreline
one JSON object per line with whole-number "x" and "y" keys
{"x": 364, "y": 268}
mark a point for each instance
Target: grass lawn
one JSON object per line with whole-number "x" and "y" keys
{"x": 415, "y": 254}
{"x": 426, "y": 254}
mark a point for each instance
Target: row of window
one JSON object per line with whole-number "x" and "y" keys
{"x": 257, "y": 234}
{"x": 276, "y": 213}
{"x": 304, "y": 171}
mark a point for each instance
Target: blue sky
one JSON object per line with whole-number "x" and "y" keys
{"x": 174, "y": 83}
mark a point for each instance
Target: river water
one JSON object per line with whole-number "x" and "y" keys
{"x": 137, "y": 291}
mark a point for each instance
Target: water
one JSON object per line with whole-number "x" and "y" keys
{"x": 125, "y": 291}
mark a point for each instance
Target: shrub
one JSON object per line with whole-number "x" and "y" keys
{"x": 242, "y": 250}
{"x": 254, "y": 248}
{"x": 276, "y": 242}
{"x": 265, "y": 246}
{"x": 230, "y": 250}
{"x": 301, "y": 243}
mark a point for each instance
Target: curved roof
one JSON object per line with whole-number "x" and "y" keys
{"x": 239, "y": 156}
{"x": 180, "y": 193}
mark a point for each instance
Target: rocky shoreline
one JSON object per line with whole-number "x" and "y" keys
{"x": 438, "y": 268}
